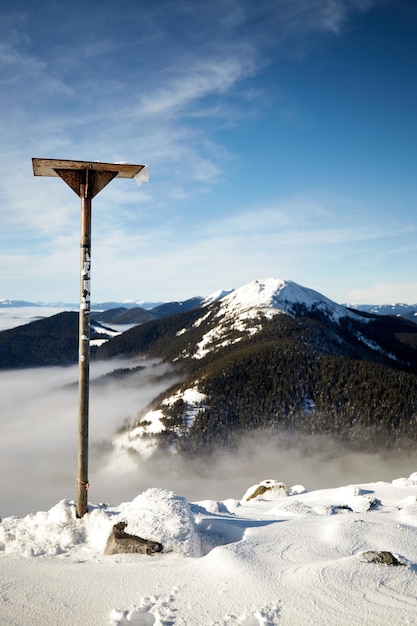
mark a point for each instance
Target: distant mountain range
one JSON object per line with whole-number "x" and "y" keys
{"x": 139, "y": 315}
{"x": 97, "y": 306}
{"x": 409, "y": 311}
{"x": 270, "y": 355}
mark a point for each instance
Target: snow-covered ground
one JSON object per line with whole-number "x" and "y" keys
{"x": 285, "y": 557}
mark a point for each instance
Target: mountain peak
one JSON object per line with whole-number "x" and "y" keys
{"x": 240, "y": 312}
{"x": 279, "y": 295}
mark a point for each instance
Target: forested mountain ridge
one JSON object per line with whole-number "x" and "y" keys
{"x": 280, "y": 361}
{"x": 140, "y": 315}
{"x": 49, "y": 341}
{"x": 53, "y": 340}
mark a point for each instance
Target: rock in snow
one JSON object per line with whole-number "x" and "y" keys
{"x": 120, "y": 542}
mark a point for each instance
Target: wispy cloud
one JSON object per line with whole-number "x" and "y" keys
{"x": 195, "y": 82}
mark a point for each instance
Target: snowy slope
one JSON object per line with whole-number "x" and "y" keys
{"x": 275, "y": 560}
{"x": 217, "y": 295}
{"x": 139, "y": 438}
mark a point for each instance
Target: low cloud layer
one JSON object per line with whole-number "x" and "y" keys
{"x": 316, "y": 462}
{"x": 38, "y": 446}
{"x": 38, "y": 426}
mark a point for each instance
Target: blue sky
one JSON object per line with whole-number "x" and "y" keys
{"x": 280, "y": 138}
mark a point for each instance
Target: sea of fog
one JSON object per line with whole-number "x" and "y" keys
{"x": 10, "y": 317}
{"x": 38, "y": 444}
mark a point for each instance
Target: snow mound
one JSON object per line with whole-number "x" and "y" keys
{"x": 49, "y": 533}
{"x": 411, "y": 481}
{"x": 163, "y": 516}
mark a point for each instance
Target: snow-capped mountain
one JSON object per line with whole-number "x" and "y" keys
{"x": 242, "y": 311}
{"x": 227, "y": 318}
{"x": 279, "y": 295}
{"x": 273, "y": 354}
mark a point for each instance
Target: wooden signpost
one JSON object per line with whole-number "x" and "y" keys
{"x": 87, "y": 179}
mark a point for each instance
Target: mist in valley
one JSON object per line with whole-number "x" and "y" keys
{"x": 38, "y": 445}
{"x": 39, "y": 425}
{"x": 314, "y": 461}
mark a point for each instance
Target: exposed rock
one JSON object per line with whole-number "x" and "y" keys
{"x": 272, "y": 488}
{"x": 120, "y": 542}
{"x": 381, "y": 557}
{"x": 373, "y": 503}
{"x": 332, "y": 509}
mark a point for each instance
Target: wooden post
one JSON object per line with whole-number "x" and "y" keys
{"x": 87, "y": 179}
{"x": 84, "y": 342}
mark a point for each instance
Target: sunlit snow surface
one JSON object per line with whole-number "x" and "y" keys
{"x": 278, "y": 559}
